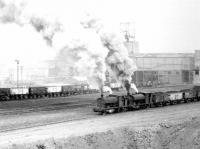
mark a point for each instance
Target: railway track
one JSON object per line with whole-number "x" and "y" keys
{"x": 82, "y": 117}
{"x": 53, "y": 107}
{"x": 45, "y": 124}
{"x": 93, "y": 115}
{"x": 60, "y": 107}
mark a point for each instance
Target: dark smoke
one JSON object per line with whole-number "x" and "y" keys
{"x": 14, "y": 13}
{"x": 47, "y": 29}
{"x": 38, "y": 24}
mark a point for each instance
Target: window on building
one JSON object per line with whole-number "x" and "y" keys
{"x": 196, "y": 72}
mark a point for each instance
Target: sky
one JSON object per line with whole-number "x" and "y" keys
{"x": 161, "y": 26}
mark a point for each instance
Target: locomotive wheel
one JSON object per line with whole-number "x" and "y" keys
{"x": 3, "y": 99}
{"x": 103, "y": 113}
{"x": 119, "y": 110}
{"x": 124, "y": 109}
{"x": 152, "y": 106}
{"x": 6, "y": 98}
{"x": 157, "y": 104}
{"x": 164, "y": 103}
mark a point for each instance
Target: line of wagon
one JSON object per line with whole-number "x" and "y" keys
{"x": 17, "y": 93}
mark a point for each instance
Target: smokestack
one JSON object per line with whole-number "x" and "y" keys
{"x": 127, "y": 86}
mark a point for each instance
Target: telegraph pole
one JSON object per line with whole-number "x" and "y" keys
{"x": 21, "y": 75}
{"x": 17, "y": 61}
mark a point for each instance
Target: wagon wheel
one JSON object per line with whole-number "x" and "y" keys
{"x": 124, "y": 109}
{"x": 103, "y": 113}
{"x": 120, "y": 109}
{"x": 25, "y": 96}
{"x": 164, "y": 104}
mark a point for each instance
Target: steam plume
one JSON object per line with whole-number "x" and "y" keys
{"x": 117, "y": 59}
{"x": 84, "y": 55}
{"x": 11, "y": 12}
{"x": 14, "y": 12}
{"x": 84, "y": 49}
{"x": 46, "y": 27}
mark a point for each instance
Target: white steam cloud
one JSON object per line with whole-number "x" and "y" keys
{"x": 83, "y": 54}
{"x": 117, "y": 60}
{"x": 85, "y": 48}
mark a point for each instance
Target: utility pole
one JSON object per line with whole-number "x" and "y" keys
{"x": 21, "y": 75}
{"x": 17, "y": 61}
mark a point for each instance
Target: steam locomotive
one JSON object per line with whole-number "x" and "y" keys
{"x": 44, "y": 91}
{"x": 141, "y": 100}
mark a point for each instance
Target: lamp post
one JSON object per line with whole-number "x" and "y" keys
{"x": 17, "y": 61}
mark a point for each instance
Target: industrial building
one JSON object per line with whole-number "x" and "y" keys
{"x": 158, "y": 69}
{"x": 154, "y": 69}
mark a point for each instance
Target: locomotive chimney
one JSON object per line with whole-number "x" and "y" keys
{"x": 101, "y": 91}
{"x": 127, "y": 86}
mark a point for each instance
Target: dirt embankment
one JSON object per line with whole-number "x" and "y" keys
{"x": 165, "y": 135}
